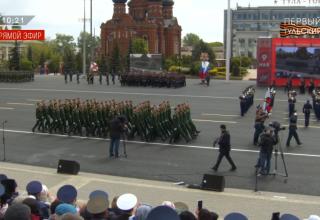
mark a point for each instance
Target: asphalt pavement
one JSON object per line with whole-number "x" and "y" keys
{"x": 187, "y": 162}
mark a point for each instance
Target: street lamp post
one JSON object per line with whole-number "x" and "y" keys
{"x": 228, "y": 47}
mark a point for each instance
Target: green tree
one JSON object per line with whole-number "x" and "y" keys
{"x": 78, "y": 62}
{"x": 191, "y": 39}
{"x": 68, "y": 60}
{"x": 61, "y": 42}
{"x": 202, "y": 47}
{"x": 216, "y": 44}
{"x": 26, "y": 64}
{"x": 139, "y": 46}
{"x": 54, "y": 63}
{"x": 102, "y": 63}
{"x": 116, "y": 60}
{"x": 29, "y": 53}
{"x": 130, "y": 51}
{"x": 42, "y": 59}
{"x": 91, "y": 44}
{"x": 14, "y": 60}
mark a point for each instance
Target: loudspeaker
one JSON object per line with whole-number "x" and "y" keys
{"x": 68, "y": 167}
{"x": 213, "y": 182}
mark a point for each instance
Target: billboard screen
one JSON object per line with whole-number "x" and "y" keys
{"x": 297, "y": 62}
{"x": 151, "y": 62}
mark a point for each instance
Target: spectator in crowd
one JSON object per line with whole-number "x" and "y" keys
{"x": 34, "y": 189}
{"x": 10, "y": 186}
{"x": 34, "y": 207}
{"x": 67, "y": 194}
{"x": 70, "y": 216}
{"x": 18, "y": 212}
{"x": 45, "y": 195}
{"x": 98, "y": 206}
{"x": 186, "y": 215}
{"x": 127, "y": 203}
{"x": 205, "y": 214}
{"x": 163, "y": 212}
{"x": 3, "y": 201}
{"x": 65, "y": 208}
{"x": 53, "y": 207}
{"x": 142, "y": 212}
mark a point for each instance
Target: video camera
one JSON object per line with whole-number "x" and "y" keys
{"x": 276, "y": 126}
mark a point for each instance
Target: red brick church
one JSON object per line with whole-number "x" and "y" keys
{"x": 151, "y": 20}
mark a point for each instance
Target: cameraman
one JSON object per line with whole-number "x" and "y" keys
{"x": 267, "y": 141}
{"x": 117, "y": 128}
{"x": 261, "y": 116}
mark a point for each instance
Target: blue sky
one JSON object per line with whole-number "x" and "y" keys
{"x": 203, "y": 17}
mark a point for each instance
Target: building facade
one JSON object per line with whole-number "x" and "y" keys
{"x": 151, "y": 20}
{"x": 250, "y": 23}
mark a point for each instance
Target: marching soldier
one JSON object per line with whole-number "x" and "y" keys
{"x": 293, "y": 129}
{"x": 307, "y": 107}
{"x": 40, "y": 118}
{"x": 302, "y": 86}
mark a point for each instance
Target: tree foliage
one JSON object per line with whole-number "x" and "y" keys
{"x": 216, "y": 44}
{"x": 115, "y": 60}
{"x": 139, "y": 46}
{"x": 14, "y": 60}
{"x": 191, "y": 39}
{"x": 202, "y": 47}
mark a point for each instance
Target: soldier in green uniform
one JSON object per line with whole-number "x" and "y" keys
{"x": 40, "y": 118}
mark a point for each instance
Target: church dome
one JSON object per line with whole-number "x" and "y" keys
{"x": 119, "y": 1}
{"x": 168, "y": 2}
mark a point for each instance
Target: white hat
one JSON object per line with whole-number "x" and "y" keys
{"x": 169, "y": 204}
{"x": 127, "y": 202}
{"x": 313, "y": 217}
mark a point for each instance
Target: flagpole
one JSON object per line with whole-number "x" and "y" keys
{"x": 228, "y": 47}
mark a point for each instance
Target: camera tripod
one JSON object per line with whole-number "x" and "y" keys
{"x": 277, "y": 149}
{"x": 124, "y": 146}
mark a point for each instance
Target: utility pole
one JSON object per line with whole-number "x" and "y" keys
{"x": 228, "y": 47}
{"x": 83, "y": 39}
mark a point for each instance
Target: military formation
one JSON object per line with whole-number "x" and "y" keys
{"x": 316, "y": 102}
{"x": 92, "y": 118}
{"x": 16, "y": 76}
{"x": 246, "y": 100}
{"x": 153, "y": 79}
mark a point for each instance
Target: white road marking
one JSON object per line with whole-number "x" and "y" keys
{"x": 153, "y": 143}
{"x": 6, "y": 108}
{"x": 208, "y": 114}
{"x": 212, "y": 121}
{"x": 34, "y": 100}
{"x": 302, "y": 119}
{"x": 302, "y": 126}
{"x": 279, "y": 197}
{"x": 16, "y": 103}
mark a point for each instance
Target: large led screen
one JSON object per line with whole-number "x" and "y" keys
{"x": 297, "y": 62}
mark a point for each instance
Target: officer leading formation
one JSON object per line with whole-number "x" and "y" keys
{"x": 74, "y": 117}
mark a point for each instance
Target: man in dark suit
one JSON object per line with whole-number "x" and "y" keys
{"x": 224, "y": 148}
{"x": 117, "y": 127}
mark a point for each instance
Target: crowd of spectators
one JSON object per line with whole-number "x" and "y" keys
{"x": 39, "y": 204}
